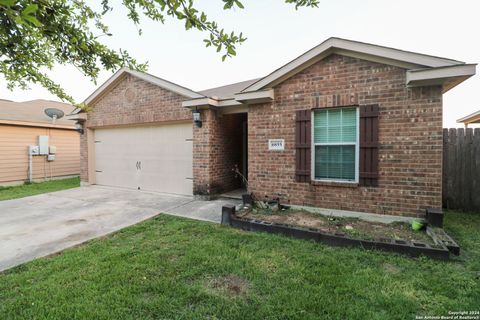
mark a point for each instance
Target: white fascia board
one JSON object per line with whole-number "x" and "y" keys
{"x": 120, "y": 74}
{"x": 77, "y": 116}
{"x": 77, "y": 110}
{"x": 332, "y": 45}
{"x": 377, "y": 59}
{"x": 393, "y": 54}
{"x": 229, "y": 103}
{"x": 255, "y": 96}
{"x": 167, "y": 85}
{"x": 200, "y": 102}
{"x": 440, "y": 76}
{"x": 240, "y": 108}
{"x": 469, "y": 117}
{"x": 210, "y": 102}
{"x": 112, "y": 80}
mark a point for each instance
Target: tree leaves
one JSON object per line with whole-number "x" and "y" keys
{"x": 37, "y": 35}
{"x": 30, "y": 9}
{"x": 7, "y": 3}
{"x": 28, "y": 15}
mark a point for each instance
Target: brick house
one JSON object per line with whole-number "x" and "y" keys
{"x": 346, "y": 125}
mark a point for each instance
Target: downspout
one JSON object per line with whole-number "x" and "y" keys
{"x": 30, "y": 169}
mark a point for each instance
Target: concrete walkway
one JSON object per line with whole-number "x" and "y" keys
{"x": 40, "y": 225}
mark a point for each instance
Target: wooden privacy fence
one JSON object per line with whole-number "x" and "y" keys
{"x": 461, "y": 169}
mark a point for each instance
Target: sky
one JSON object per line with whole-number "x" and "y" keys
{"x": 277, "y": 33}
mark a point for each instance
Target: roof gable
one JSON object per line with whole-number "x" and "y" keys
{"x": 405, "y": 59}
{"x": 120, "y": 75}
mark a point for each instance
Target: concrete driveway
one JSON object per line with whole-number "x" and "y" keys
{"x": 40, "y": 225}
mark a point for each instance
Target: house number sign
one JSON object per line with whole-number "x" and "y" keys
{"x": 276, "y": 144}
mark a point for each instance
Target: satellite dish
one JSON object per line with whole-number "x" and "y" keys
{"x": 54, "y": 113}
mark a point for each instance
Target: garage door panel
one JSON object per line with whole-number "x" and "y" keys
{"x": 115, "y": 158}
{"x": 154, "y": 158}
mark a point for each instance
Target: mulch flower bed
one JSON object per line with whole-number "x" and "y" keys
{"x": 339, "y": 231}
{"x": 353, "y": 227}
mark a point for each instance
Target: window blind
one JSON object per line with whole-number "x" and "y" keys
{"x": 335, "y": 138}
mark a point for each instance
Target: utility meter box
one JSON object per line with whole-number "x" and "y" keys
{"x": 43, "y": 145}
{"x": 34, "y": 150}
{"x": 50, "y": 157}
{"x": 52, "y": 149}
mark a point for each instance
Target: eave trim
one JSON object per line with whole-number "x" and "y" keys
{"x": 36, "y": 124}
{"x": 471, "y": 118}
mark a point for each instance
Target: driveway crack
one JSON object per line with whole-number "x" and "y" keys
{"x": 179, "y": 206}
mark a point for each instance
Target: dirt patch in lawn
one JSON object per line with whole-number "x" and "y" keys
{"x": 231, "y": 285}
{"x": 353, "y": 227}
{"x": 391, "y": 268}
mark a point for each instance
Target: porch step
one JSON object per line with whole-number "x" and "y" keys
{"x": 234, "y": 194}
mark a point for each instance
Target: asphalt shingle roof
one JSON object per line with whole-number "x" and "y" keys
{"x": 227, "y": 92}
{"x": 33, "y": 111}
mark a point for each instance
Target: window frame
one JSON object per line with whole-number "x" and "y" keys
{"x": 313, "y": 145}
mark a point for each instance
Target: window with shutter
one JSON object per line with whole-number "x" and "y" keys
{"x": 335, "y": 139}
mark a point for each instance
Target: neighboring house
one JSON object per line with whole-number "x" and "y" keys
{"x": 347, "y": 125}
{"x": 473, "y": 118}
{"x": 21, "y": 124}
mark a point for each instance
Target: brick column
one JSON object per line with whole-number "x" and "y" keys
{"x": 205, "y": 154}
{"x": 84, "y": 157}
{"x": 87, "y": 157}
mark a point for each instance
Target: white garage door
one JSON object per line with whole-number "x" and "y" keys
{"x": 156, "y": 158}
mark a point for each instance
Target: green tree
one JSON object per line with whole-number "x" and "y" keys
{"x": 35, "y": 35}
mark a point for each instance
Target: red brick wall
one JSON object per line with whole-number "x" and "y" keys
{"x": 83, "y": 158}
{"x": 135, "y": 101}
{"x": 410, "y": 138}
{"x": 216, "y": 150}
{"x": 132, "y": 101}
{"x": 204, "y": 154}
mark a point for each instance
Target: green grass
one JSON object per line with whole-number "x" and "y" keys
{"x": 173, "y": 268}
{"x": 25, "y": 190}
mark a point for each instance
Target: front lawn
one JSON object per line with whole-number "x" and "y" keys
{"x": 25, "y": 190}
{"x": 174, "y": 268}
